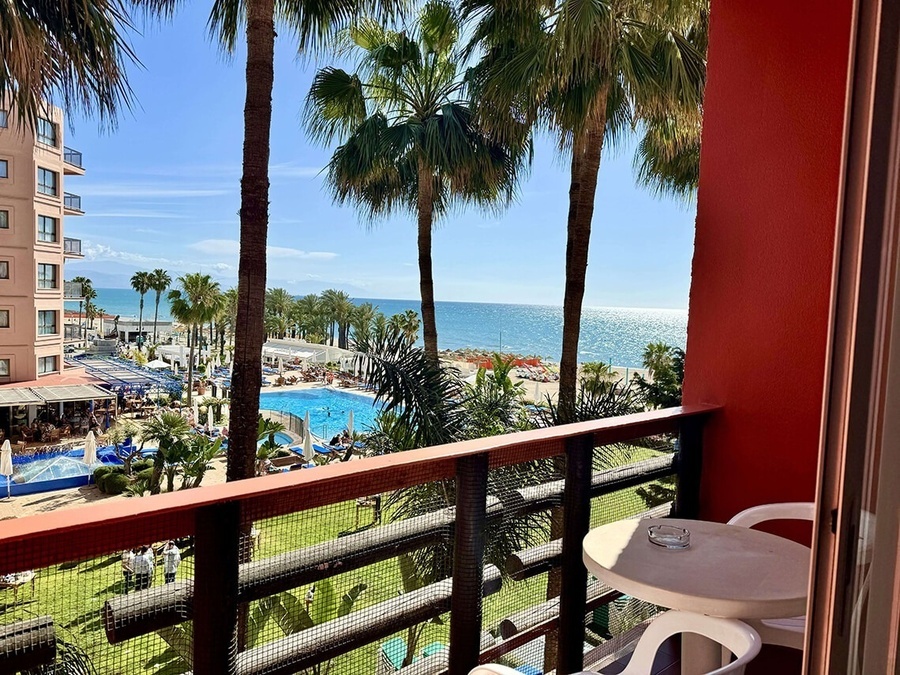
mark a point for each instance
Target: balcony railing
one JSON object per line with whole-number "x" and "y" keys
{"x": 72, "y": 291}
{"x": 72, "y": 202}
{"x": 71, "y": 332}
{"x": 72, "y": 157}
{"x": 278, "y": 575}
{"x": 72, "y": 246}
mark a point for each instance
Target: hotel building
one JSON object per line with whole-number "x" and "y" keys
{"x": 34, "y": 170}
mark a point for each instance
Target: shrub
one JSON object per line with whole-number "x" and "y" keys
{"x": 145, "y": 474}
{"x": 101, "y": 471}
{"x": 141, "y": 464}
{"x": 115, "y": 483}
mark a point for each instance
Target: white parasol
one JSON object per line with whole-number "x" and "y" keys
{"x": 350, "y": 424}
{"x": 6, "y": 465}
{"x": 90, "y": 449}
{"x": 306, "y": 422}
{"x": 196, "y": 411}
{"x": 537, "y": 392}
{"x": 308, "y": 452}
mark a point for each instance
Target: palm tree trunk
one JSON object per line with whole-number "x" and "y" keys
{"x": 254, "y": 213}
{"x": 586, "y": 151}
{"x": 82, "y": 329}
{"x": 425, "y": 208}
{"x": 155, "y": 316}
{"x": 191, "y": 369}
{"x": 140, "y": 321}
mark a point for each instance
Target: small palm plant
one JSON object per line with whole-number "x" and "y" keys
{"x": 409, "y": 137}
{"x": 170, "y": 431}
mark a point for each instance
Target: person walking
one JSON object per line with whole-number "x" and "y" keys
{"x": 128, "y": 567}
{"x": 171, "y": 560}
{"x": 143, "y": 568}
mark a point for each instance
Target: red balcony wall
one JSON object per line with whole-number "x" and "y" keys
{"x": 766, "y": 214}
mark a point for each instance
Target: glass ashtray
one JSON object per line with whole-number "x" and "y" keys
{"x": 669, "y": 536}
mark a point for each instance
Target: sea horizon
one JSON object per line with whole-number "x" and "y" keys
{"x": 614, "y": 335}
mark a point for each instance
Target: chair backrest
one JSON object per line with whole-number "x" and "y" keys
{"x": 736, "y": 636}
{"x": 783, "y": 511}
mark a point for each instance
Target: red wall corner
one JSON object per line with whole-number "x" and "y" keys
{"x": 761, "y": 275}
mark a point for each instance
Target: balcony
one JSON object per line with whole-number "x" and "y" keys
{"x": 72, "y": 333}
{"x": 72, "y": 248}
{"x": 262, "y": 544}
{"x": 72, "y": 162}
{"x": 72, "y": 291}
{"x": 72, "y": 204}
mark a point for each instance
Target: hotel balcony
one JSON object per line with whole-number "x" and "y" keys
{"x": 338, "y": 528}
{"x": 72, "y": 162}
{"x": 72, "y": 204}
{"x": 72, "y": 291}
{"x": 72, "y": 333}
{"x": 72, "y": 248}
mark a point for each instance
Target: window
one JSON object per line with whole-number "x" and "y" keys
{"x": 47, "y": 364}
{"x": 47, "y": 322}
{"x": 4, "y": 219}
{"x": 4, "y": 168}
{"x": 48, "y": 182}
{"x": 47, "y": 228}
{"x": 4, "y": 367}
{"x": 4, "y": 318}
{"x": 4, "y": 119}
{"x": 4, "y": 269}
{"x": 47, "y": 276}
{"x": 46, "y": 132}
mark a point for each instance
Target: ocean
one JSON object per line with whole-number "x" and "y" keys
{"x": 610, "y": 334}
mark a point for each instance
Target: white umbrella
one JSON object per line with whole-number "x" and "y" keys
{"x": 350, "y": 424}
{"x": 175, "y": 367}
{"x": 90, "y": 449}
{"x": 537, "y": 392}
{"x": 6, "y": 465}
{"x": 196, "y": 411}
{"x": 306, "y": 422}
{"x": 280, "y": 365}
{"x": 308, "y": 452}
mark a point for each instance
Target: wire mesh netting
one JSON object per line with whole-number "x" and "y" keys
{"x": 361, "y": 584}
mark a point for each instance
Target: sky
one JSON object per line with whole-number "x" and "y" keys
{"x": 161, "y": 189}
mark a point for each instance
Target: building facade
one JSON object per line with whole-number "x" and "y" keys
{"x": 34, "y": 169}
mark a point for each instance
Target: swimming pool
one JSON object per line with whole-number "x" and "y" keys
{"x": 59, "y": 470}
{"x": 328, "y": 408}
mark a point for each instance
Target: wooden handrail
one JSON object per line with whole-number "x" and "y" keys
{"x": 53, "y": 538}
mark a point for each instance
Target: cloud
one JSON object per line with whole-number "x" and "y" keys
{"x": 231, "y": 247}
{"x": 293, "y": 170}
{"x": 102, "y": 252}
{"x": 152, "y": 190}
{"x": 137, "y": 213}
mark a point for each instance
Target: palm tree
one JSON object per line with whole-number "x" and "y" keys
{"x": 140, "y": 281}
{"x": 68, "y": 50}
{"x": 196, "y": 303}
{"x": 90, "y": 309}
{"x": 589, "y": 72}
{"x": 363, "y": 317}
{"x": 308, "y": 315}
{"x": 86, "y": 287}
{"x": 170, "y": 431}
{"x": 657, "y": 357}
{"x": 410, "y": 139}
{"x": 159, "y": 282}
{"x": 312, "y": 23}
{"x": 331, "y": 298}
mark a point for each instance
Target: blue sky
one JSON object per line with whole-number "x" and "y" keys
{"x": 162, "y": 190}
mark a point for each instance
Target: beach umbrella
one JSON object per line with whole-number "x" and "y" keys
{"x": 6, "y": 465}
{"x": 350, "y": 424}
{"x": 306, "y": 422}
{"x": 308, "y": 452}
{"x": 196, "y": 411}
{"x": 280, "y": 365}
{"x": 175, "y": 367}
{"x": 537, "y": 392}
{"x": 90, "y": 449}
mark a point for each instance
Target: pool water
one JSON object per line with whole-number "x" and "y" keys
{"x": 51, "y": 468}
{"x": 328, "y": 408}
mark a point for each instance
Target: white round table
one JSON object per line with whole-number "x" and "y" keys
{"x": 728, "y": 571}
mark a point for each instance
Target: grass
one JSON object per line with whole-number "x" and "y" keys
{"x": 74, "y": 593}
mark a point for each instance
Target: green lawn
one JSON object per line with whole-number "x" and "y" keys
{"x": 73, "y": 594}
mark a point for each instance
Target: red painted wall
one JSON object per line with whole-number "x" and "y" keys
{"x": 766, "y": 212}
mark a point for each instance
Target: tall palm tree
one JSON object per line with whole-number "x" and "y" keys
{"x": 159, "y": 282}
{"x": 410, "y": 139}
{"x": 194, "y": 304}
{"x": 279, "y": 301}
{"x": 362, "y": 320}
{"x": 85, "y": 287}
{"x": 308, "y": 314}
{"x": 90, "y": 309}
{"x": 73, "y": 51}
{"x": 141, "y": 282}
{"x": 312, "y": 23}
{"x": 590, "y": 72}
{"x": 330, "y": 299}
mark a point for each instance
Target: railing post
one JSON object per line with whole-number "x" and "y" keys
{"x": 573, "y": 573}
{"x": 468, "y": 564}
{"x": 216, "y": 542}
{"x": 689, "y": 464}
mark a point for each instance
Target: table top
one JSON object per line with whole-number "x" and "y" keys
{"x": 728, "y": 571}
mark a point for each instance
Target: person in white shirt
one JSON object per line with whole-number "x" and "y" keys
{"x": 171, "y": 560}
{"x": 143, "y": 568}
{"x": 127, "y": 567}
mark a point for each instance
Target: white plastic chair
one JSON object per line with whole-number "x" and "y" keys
{"x": 787, "y": 632}
{"x": 735, "y": 636}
